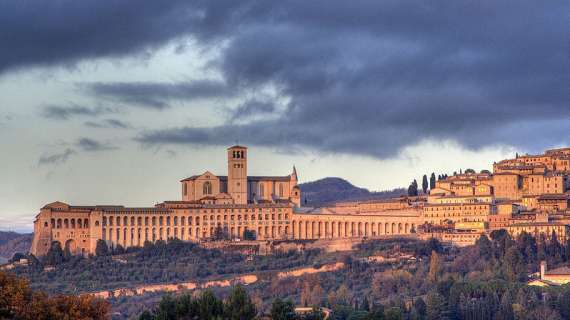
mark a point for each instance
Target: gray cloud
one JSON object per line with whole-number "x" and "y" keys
{"x": 109, "y": 123}
{"x": 157, "y": 95}
{"x": 38, "y": 33}
{"x": 252, "y": 108}
{"x": 91, "y": 145}
{"x": 82, "y": 144}
{"x": 66, "y": 112}
{"x": 369, "y": 77}
{"x": 374, "y": 77}
{"x": 56, "y": 158}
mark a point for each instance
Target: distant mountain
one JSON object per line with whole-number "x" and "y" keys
{"x": 12, "y": 242}
{"x": 328, "y": 191}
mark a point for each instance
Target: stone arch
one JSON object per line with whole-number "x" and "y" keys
{"x": 406, "y": 228}
{"x": 366, "y": 230}
{"x": 400, "y": 228}
{"x": 393, "y": 231}
{"x": 386, "y": 228}
{"x": 66, "y": 223}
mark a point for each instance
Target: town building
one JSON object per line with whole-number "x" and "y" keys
{"x": 525, "y": 194}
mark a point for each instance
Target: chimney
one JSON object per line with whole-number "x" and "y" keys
{"x": 542, "y": 269}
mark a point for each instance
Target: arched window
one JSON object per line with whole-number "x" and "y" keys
{"x": 281, "y": 190}
{"x": 261, "y": 190}
{"x": 207, "y": 188}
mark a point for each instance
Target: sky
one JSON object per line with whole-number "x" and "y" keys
{"x": 113, "y": 102}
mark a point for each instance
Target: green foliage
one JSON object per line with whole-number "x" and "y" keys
{"x": 18, "y": 301}
{"x": 413, "y": 188}
{"x": 432, "y": 181}
{"x": 54, "y": 256}
{"x": 425, "y": 183}
{"x": 239, "y": 306}
{"x": 101, "y": 248}
{"x": 283, "y": 310}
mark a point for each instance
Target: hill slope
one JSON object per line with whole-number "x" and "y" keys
{"x": 331, "y": 190}
{"x": 12, "y": 242}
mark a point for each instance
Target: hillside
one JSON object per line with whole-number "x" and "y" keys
{"x": 12, "y": 242}
{"x": 331, "y": 190}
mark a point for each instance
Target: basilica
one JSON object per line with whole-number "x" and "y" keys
{"x": 528, "y": 193}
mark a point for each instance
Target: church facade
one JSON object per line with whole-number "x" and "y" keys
{"x": 232, "y": 206}
{"x": 526, "y": 194}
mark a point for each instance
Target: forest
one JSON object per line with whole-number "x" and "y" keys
{"x": 484, "y": 281}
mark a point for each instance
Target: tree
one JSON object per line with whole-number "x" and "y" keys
{"x": 166, "y": 309}
{"x": 365, "y": 304}
{"x": 119, "y": 249}
{"x": 432, "y": 181}
{"x": 419, "y": 309}
{"x": 564, "y": 304}
{"x": 18, "y": 301}
{"x": 515, "y": 268}
{"x": 393, "y": 314}
{"x": 425, "y": 184}
{"x": 239, "y": 306}
{"x": 436, "y": 307}
{"x": 505, "y": 311}
{"x": 434, "y": 267}
{"x": 554, "y": 249}
{"x": 413, "y": 189}
{"x": 54, "y": 255}
{"x": 209, "y": 305}
{"x": 485, "y": 247}
{"x": 470, "y": 171}
{"x": 101, "y": 248}
{"x": 283, "y": 310}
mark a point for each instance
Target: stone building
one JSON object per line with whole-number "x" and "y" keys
{"x": 528, "y": 193}
{"x": 216, "y": 206}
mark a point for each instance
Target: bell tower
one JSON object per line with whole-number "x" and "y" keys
{"x": 237, "y": 174}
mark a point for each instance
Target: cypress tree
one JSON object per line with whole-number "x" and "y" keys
{"x": 425, "y": 184}
{"x": 101, "y": 248}
{"x": 432, "y": 181}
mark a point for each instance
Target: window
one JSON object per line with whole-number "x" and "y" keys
{"x": 207, "y": 188}
{"x": 261, "y": 190}
{"x": 184, "y": 189}
{"x": 281, "y": 190}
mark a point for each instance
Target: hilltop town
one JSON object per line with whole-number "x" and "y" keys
{"x": 527, "y": 193}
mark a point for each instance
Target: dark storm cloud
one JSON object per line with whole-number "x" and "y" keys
{"x": 40, "y": 33}
{"x": 365, "y": 77}
{"x": 56, "y": 158}
{"x": 66, "y": 112}
{"x": 373, "y": 77}
{"x": 91, "y": 145}
{"x": 109, "y": 123}
{"x": 158, "y": 95}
